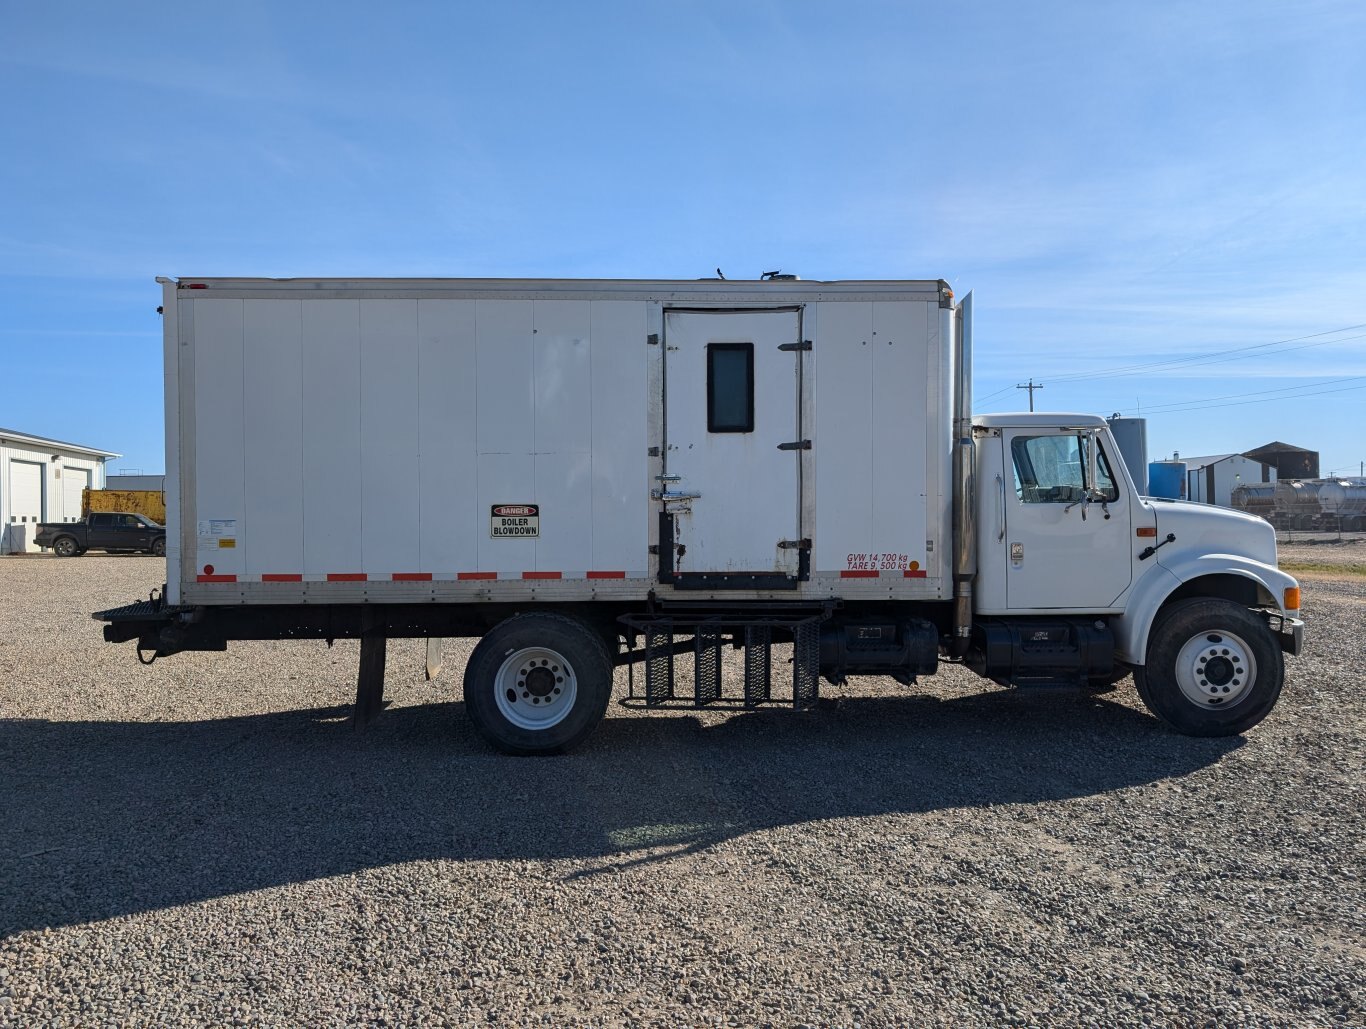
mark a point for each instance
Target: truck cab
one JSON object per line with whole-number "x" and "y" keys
{"x": 1079, "y": 575}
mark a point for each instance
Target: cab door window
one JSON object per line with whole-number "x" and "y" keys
{"x": 1052, "y": 469}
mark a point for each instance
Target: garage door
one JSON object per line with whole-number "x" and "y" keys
{"x": 74, "y": 480}
{"x": 25, "y": 504}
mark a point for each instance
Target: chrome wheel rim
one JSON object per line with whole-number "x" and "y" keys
{"x": 1216, "y": 669}
{"x": 535, "y": 688}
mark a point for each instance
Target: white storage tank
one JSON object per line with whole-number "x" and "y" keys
{"x": 1131, "y": 436}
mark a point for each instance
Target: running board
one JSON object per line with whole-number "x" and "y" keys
{"x": 661, "y": 686}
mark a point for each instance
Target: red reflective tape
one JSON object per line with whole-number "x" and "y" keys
{"x": 859, "y": 573}
{"x": 914, "y": 573}
{"x": 542, "y": 575}
{"x": 412, "y": 577}
{"x": 215, "y": 578}
{"x": 282, "y": 577}
{"x": 607, "y": 575}
{"x": 347, "y": 577}
{"x": 477, "y": 575}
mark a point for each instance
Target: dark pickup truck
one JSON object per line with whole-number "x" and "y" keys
{"x": 103, "y": 531}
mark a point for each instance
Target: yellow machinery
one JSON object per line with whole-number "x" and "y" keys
{"x": 149, "y": 502}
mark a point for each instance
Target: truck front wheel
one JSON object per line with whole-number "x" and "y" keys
{"x": 1213, "y": 668}
{"x": 538, "y": 683}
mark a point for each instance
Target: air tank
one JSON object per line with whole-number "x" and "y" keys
{"x": 1131, "y": 436}
{"x": 1167, "y": 479}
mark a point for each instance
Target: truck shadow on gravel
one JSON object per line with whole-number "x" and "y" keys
{"x": 103, "y": 819}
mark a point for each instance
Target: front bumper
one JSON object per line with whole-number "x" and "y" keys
{"x": 1289, "y": 632}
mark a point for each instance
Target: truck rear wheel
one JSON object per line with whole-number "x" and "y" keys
{"x": 66, "y": 547}
{"x": 538, "y": 683}
{"x": 1213, "y": 668}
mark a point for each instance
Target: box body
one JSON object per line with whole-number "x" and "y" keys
{"x": 464, "y": 441}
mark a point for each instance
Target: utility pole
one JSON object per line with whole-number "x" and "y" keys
{"x": 1032, "y": 386}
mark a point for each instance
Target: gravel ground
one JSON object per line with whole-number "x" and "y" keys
{"x": 206, "y": 841}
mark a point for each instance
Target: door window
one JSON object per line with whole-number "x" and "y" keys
{"x": 1052, "y": 469}
{"x": 730, "y": 387}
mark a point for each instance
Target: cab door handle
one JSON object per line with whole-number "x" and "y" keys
{"x": 1000, "y": 508}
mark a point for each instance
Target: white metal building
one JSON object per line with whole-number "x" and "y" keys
{"x": 1212, "y": 480}
{"x": 41, "y": 481}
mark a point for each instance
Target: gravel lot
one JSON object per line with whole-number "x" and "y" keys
{"x": 207, "y": 841}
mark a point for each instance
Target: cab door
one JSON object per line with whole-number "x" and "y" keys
{"x": 100, "y": 531}
{"x": 730, "y": 493}
{"x": 1067, "y": 540}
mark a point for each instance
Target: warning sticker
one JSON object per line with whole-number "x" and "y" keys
{"x": 220, "y": 533}
{"x": 515, "y": 521}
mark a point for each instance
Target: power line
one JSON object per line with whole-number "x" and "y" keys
{"x": 1212, "y": 357}
{"x": 1256, "y": 393}
{"x": 1200, "y": 405}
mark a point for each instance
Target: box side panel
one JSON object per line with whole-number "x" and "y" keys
{"x": 563, "y": 408}
{"x": 272, "y": 385}
{"x": 390, "y": 520}
{"x": 506, "y": 429}
{"x": 331, "y": 482}
{"x": 219, "y": 458}
{"x": 842, "y": 358}
{"x": 902, "y": 487}
{"x": 620, "y": 443}
{"x": 447, "y": 415}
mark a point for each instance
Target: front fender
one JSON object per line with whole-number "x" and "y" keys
{"x": 1152, "y": 590}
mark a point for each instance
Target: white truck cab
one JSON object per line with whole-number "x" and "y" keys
{"x": 1189, "y": 593}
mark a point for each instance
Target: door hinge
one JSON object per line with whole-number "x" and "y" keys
{"x": 801, "y": 444}
{"x": 801, "y": 345}
{"x": 802, "y": 544}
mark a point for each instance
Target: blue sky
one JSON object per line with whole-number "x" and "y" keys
{"x": 1128, "y": 188}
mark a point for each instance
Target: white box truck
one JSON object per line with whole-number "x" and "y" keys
{"x": 593, "y": 473}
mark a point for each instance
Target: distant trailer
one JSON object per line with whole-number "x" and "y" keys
{"x": 149, "y": 502}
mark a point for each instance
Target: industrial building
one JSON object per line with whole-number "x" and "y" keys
{"x": 136, "y": 481}
{"x": 41, "y": 480}
{"x": 1212, "y": 479}
{"x": 1289, "y": 461}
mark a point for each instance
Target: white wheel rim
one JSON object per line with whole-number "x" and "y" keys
{"x": 1215, "y": 669}
{"x": 535, "y": 688}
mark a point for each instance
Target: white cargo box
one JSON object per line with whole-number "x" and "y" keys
{"x": 451, "y": 441}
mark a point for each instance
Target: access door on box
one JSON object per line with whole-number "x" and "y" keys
{"x": 730, "y": 496}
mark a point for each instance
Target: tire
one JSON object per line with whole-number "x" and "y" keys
{"x": 538, "y": 684}
{"x": 159, "y": 547}
{"x": 66, "y": 546}
{"x": 1213, "y": 668}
